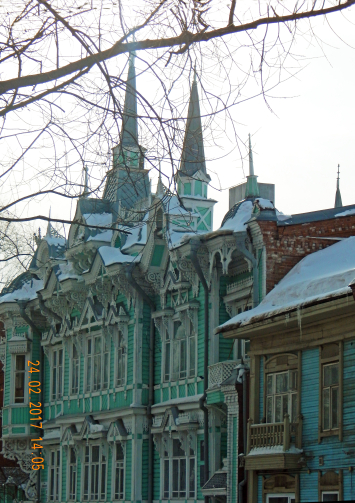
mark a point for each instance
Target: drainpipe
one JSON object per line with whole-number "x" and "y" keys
{"x": 195, "y": 243}
{"x": 242, "y": 377}
{"x": 151, "y": 304}
{"x": 22, "y": 307}
{"x": 244, "y": 251}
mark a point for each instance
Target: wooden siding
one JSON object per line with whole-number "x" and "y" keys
{"x": 156, "y": 477}
{"x": 130, "y": 354}
{"x": 64, "y": 473}
{"x": 145, "y": 463}
{"x": 225, "y": 345}
{"x": 128, "y": 468}
{"x": 145, "y": 343}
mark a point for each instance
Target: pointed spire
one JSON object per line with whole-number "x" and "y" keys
{"x": 160, "y": 186}
{"x": 251, "y": 163}
{"x": 85, "y": 193}
{"x": 193, "y": 154}
{"x": 338, "y": 201}
{"x": 129, "y": 118}
{"x": 252, "y": 187}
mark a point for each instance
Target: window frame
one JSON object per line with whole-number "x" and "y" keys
{"x": 102, "y": 485}
{"x": 115, "y": 468}
{"x": 331, "y": 354}
{"x": 72, "y": 496}
{"x": 190, "y": 341}
{"x": 279, "y": 363}
{"x": 90, "y": 385}
{"x": 290, "y": 393}
{"x": 72, "y": 368}
{"x": 25, "y": 384}
{"x": 337, "y": 492}
{"x": 54, "y": 470}
{"x": 121, "y": 348}
{"x": 167, "y": 460}
{"x": 59, "y": 375}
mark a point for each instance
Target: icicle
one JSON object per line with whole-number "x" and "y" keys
{"x": 299, "y": 318}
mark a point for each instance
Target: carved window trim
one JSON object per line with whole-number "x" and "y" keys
{"x": 173, "y": 463}
{"x": 330, "y": 354}
{"x": 54, "y": 474}
{"x": 13, "y": 380}
{"x": 281, "y": 484}
{"x": 332, "y": 482}
{"x": 118, "y": 468}
{"x": 88, "y": 463}
{"x": 171, "y": 342}
{"x": 103, "y": 357}
{"x": 59, "y": 373}
{"x": 74, "y": 367}
{"x": 277, "y": 364}
{"x": 72, "y": 489}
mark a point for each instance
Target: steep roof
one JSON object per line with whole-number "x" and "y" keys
{"x": 324, "y": 274}
{"x": 193, "y": 153}
{"x": 129, "y": 135}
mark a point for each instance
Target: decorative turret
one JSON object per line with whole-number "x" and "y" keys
{"x": 128, "y": 183}
{"x": 193, "y": 153}
{"x": 252, "y": 187}
{"x": 192, "y": 177}
{"x": 338, "y": 202}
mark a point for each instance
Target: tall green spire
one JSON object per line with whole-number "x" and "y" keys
{"x": 252, "y": 188}
{"x": 193, "y": 153}
{"x": 129, "y": 137}
{"x": 338, "y": 201}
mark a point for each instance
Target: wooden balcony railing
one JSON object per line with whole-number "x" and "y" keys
{"x": 273, "y": 434}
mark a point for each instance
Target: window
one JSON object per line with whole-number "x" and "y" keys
{"x": 180, "y": 351}
{"x": 54, "y": 471}
{"x": 179, "y": 478}
{"x": 72, "y": 474}
{"x": 20, "y": 373}
{"x": 97, "y": 364}
{"x": 330, "y": 392}
{"x": 75, "y": 363}
{"x": 280, "y": 498}
{"x": 281, "y": 396}
{"x": 330, "y": 397}
{"x": 57, "y": 374}
{"x": 120, "y": 361}
{"x": 330, "y": 495}
{"x": 95, "y": 463}
{"x": 119, "y": 473}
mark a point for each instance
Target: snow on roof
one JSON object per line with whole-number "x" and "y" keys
{"x": 101, "y": 236}
{"x": 178, "y": 238}
{"x": 67, "y": 271}
{"x": 323, "y": 274}
{"x": 345, "y": 213}
{"x": 274, "y": 449}
{"x": 265, "y": 204}
{"x": 173, "y": 207}
{"x": 240, "y": 218}
{"x": 98, "y": 219}
{"x": 53, "y": 241}
{"x": 281, "y": 216}
{"x": 112, "y": 255}
{"x": 49, "y": 434}
{"x": 28, "y": 291}
{"x": 138, "y": 234}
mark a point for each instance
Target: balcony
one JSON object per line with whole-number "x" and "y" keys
{"x": 274, "y": 445}
{"x": 219, "y": 372}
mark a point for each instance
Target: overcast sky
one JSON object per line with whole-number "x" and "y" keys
{"x": 299, "y": 146}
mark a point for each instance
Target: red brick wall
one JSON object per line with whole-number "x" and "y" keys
{"x": 287, "y": 245}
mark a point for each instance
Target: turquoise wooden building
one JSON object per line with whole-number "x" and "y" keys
{"x": 135, "y": 396}
{"x": 301, "y": 434}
